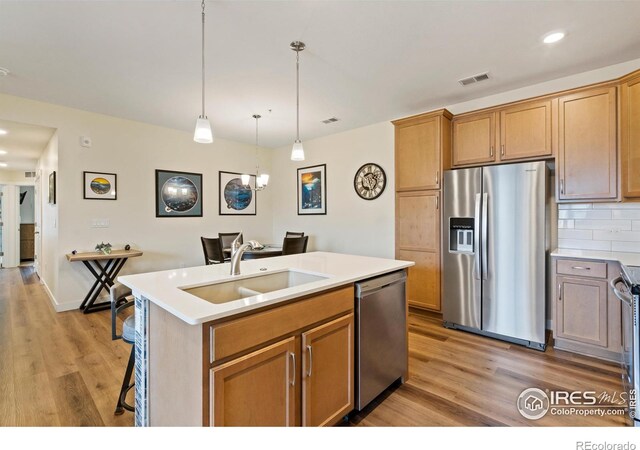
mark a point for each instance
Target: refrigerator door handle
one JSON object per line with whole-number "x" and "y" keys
{"x": 476, "y": 240}
{"x": 485, "y": 229}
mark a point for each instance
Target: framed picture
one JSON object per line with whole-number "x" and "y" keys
{"x": 234, "y": 198}
{"x": 100, "y": 186}
{"x": 178, "y": 194}
{"x": 312, "y": 190}
{"x": 52, "y": 188}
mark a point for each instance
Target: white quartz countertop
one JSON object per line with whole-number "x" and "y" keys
{"x": 627, "y": 259}
{"x": 165, "y": 288}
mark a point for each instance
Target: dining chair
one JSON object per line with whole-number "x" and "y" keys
{"x": 294, "y": 234}
{"x": 121, "y": 300}
{"x": 227, "y": 238}
{"x": 212, "y": 248}
{"x": 293, "y": 245}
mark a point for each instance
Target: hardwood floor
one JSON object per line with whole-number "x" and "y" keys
{"x": 56, "y": 369}
{"x": 461, "y": 379}
{"x": 64, "y": 369}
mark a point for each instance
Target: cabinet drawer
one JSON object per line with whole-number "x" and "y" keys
{"x": 236, "y": 336}
{"x": 582, "y": 268}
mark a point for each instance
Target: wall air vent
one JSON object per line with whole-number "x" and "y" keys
{"x": 474, "y": 79}
{"x": 29, "y": 174}
{"x": 330, "y": 120}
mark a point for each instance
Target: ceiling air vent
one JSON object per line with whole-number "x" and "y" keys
{"x": 474, "y": 79}
{"x": 330, "y": 120}
{"x": 29, "y": 174}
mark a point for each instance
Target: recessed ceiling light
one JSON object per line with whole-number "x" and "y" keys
{"x": 3, "y": 152}
{"x": 553, "y": 37}
{"x": 3, "y": 132}
{"x": 3, "y": 164}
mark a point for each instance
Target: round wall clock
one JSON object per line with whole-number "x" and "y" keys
{"x": 370, "y": 181}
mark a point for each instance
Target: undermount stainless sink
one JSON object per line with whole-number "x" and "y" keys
{"x": 229, "y": 291}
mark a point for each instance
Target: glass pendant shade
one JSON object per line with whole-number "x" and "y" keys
{"x": 203, "y": 133}
{"x": 297, "y": 152}
{"x": 245, "y": 179}
{"x": 263, "y": 180}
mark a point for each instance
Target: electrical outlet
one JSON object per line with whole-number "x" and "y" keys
{"x": 100, "y": 223}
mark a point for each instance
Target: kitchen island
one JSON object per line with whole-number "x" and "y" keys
{"x": 272, "y": 346}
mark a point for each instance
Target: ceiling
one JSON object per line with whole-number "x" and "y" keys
{"x": 365, "y": 62}
{"x": 23, "y": 143}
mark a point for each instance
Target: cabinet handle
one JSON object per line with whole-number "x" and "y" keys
{"x": 580, "y": 268}
{"x": 559, "y": 292}
{"x": 437, "y": 177}
{"x": 293, "y": 377}
{"x": 502, "y": 150}
{"x": 491, "y": 151}
{"x": 437, "y": 202}
{"x": 310, "y": 360}
{"x": 561, "y": 186}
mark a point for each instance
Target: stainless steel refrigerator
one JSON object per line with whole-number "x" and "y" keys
{"x": 494, "y": 253}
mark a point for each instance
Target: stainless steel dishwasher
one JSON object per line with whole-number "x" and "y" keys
{"x": 381, "y": 335}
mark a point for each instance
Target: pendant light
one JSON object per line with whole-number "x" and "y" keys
{"x": 297, "y": 151}
{"x": 262, "y": 180}
{"x": 203, "y": 134}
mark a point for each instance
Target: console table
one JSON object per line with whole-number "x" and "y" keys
{"x": 105, "y": 269}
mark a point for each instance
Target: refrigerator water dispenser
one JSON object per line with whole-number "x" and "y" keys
{"x": 461, "y": 234}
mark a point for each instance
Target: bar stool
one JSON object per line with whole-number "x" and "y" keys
{"x": 120, "y": 300}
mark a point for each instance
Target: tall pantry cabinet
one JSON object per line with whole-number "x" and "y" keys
{"x": 422, "y": 154}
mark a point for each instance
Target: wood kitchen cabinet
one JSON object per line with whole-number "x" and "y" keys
{"x": 587, "y": 319}
{"x": 327, "y": 372}
{"x": 474, "y": 139}
{"x": 630, "y": 135}
{"x": 305, "y": 378}
{"x": 422, "y": 150}
{"x": 422, "y": 154}
{"x": 423, "y": 280}
{"x": 257, "y": 389}
{"x": 518, "y": 132}
{"x": 525, "y": 131}
{"x": 418, "y": 236}
{"x": 587, "y": 145}
{"x": 582, "y": 310}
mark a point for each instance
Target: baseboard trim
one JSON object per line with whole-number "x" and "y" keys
{"x": 59, "y": 307}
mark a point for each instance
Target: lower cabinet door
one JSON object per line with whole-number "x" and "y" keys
{"x": 582, "y": 310}
{"x": 327, "y": 372}
{"x": 257, "y": 389}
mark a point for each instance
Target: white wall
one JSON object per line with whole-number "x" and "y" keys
{"x": 15, "y": 177}
{"x": 133, "y": 150}
{"x": 351, "y": 225}
{"x": 48, "y": 258}
{"x": 27, "y": 205}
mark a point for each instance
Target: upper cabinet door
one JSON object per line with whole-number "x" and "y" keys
{"x": 474, "y": 139}
{"x": 630, "y": 127}
{"x": 418, "y": 155}
{"x": 587, "y": 145}
{"x": 525, "y": 131}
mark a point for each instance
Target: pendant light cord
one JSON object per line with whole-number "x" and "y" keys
{"x": 203, "y": 59}
{"x": 257, "y": 161}
{"x": 298, "y": 94}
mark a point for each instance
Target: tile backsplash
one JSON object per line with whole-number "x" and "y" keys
{"x": 599, "y": 226}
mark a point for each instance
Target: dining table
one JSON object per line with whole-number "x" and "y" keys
{"x": 268, "y": 251}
